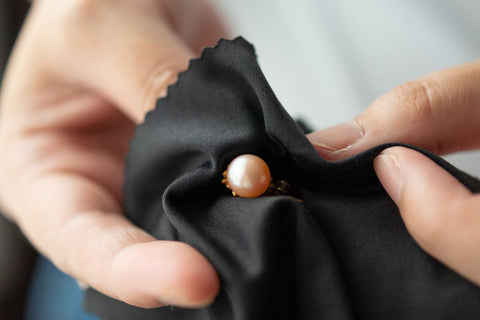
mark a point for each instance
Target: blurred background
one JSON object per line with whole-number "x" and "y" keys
{"x": 328, "y": 60}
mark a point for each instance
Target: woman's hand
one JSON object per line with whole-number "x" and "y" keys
{"x": 81, "y": 74}
{"x": 440, "y": 113}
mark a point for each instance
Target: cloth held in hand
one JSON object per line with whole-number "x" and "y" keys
{"x": 344, "y": 253}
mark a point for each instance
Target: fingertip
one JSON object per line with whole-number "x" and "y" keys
{"x": 161, "y": 273}
{"x": 193, "y": 281}
{"x": 440, "y": 213}
{"x": 406, "y": 173}
{"x": 389, "y": 171}
{"x": 425, "y": 193}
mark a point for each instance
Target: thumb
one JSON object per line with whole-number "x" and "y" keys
{"x": 438, "y": 211}
{"x": 439, "y": 112}
{"x": 127, "y": 51}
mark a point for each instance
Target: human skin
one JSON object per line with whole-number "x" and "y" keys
{"x": 81, "y": 75}
{"x": 439, "y": 112}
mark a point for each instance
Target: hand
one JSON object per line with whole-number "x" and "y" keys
{"x": 81, "y": 74}
{"x": 441, "y": 113}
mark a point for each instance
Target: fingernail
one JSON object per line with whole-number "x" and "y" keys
{"x": 336, "y": 138}
{"x": 389, "y": 171}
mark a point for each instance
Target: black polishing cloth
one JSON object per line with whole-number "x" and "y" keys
{"x": 342, "y": 254}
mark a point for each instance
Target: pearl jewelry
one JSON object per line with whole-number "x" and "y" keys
{"x": 248, "y": 176}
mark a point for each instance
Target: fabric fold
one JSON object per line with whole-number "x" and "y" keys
{"x": 344, "y": 253}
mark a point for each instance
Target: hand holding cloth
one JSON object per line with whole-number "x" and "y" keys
{"x": 344, "y": 253}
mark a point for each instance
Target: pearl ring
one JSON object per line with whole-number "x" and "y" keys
{"x": 248, "y": 176}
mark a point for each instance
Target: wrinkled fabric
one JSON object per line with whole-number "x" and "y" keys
{"x": 344, "y": 253}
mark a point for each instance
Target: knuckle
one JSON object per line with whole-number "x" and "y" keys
{"x": 77, "y": 24}
{"x": 80, "y": 16}
{"x": 414, "y": 98}
{"x": 410, "y": 105}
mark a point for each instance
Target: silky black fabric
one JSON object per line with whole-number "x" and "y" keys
{"x": 342, "y": 254}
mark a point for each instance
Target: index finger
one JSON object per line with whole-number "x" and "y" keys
{"x": 439, "y": 112}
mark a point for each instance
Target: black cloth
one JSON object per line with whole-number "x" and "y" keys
{"x": 342, "y": 254}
